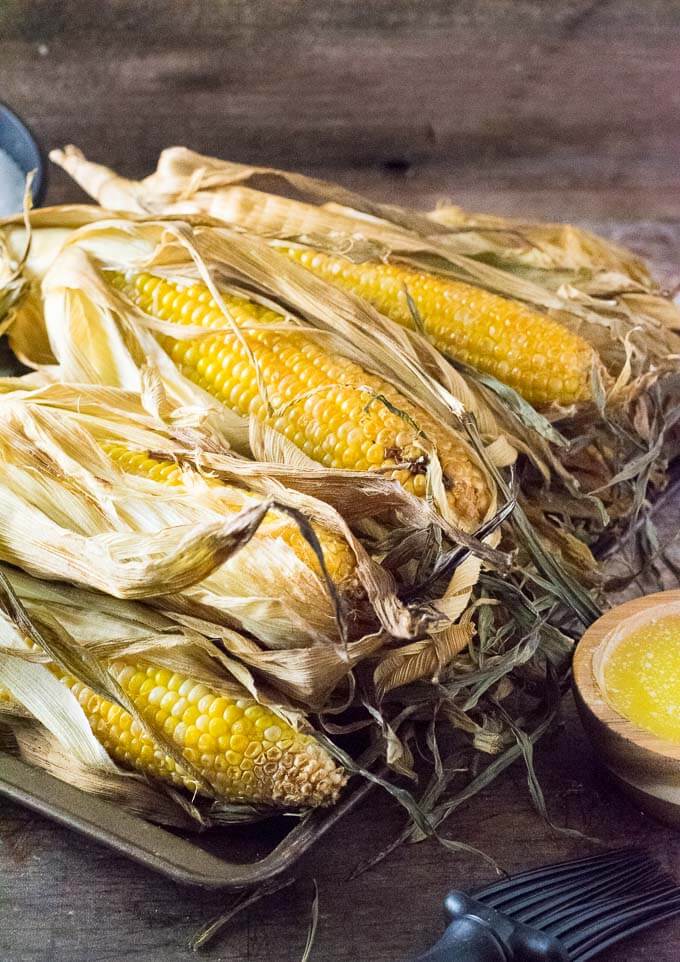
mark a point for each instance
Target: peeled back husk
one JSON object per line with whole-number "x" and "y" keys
{"x": 73, "y": 662}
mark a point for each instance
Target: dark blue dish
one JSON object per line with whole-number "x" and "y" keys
{"x": 18, "y": 141}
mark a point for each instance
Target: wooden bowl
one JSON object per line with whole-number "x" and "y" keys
{"x": 645, "y": 766}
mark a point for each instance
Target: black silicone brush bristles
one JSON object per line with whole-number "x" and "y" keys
{"x": 588, "y": 904}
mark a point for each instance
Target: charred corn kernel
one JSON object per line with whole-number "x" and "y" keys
{"x": 303, "y": 774}
{"x": 538, "y": 357}
{"x": 326, "y": 404}
{"x": 338, "y": 555}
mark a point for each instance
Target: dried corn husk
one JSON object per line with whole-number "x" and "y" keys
{"x": 84, "y": 630}
{"x": 593, "y": 285}
{"x": 71, "y": 327}
{"x": 96, "y": 336}
{"x": 68, "y": 512}
{"x": 590, "y": 285}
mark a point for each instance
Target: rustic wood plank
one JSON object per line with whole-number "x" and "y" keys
{"x": 66, "y": 901}
{"x": 450, "y": 99}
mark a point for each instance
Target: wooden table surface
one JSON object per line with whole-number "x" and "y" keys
{"x": 65, "y": 900}
{"x": 565, "y": 110}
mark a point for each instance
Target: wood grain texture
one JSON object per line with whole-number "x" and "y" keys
{"x": 65, "y": 901}
{"x": 426, "y": 98}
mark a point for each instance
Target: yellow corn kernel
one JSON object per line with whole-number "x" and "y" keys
{"x": 324, "y": 403}
{"x": 303, "y": 775}
{"x": 538, "y": 357}
{"x": 338, "y": 556}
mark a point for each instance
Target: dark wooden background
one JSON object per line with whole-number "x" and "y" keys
{"x": 565, "y": 110}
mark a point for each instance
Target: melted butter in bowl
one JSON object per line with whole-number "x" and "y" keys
{"x": 627, "y": 688}
{"x": 640, "y": 676}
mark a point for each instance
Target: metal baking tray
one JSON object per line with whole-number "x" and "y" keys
{"x": 175, "y": 856}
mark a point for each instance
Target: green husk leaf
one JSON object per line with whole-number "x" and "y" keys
{"x": 529, "y": 416}
{"x": 526, "y": 746}
{"x": 565, "y": 587}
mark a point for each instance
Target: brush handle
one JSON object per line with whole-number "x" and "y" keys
{"x": 478, "y": 933}
{"x": 467, "y": 939}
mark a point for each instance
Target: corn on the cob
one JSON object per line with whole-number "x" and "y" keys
{"x": 242, "y": 749}
{"x": 338, "y": 556}
{"x": 325, "y": 404}
{"x": 534, "y": 354}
